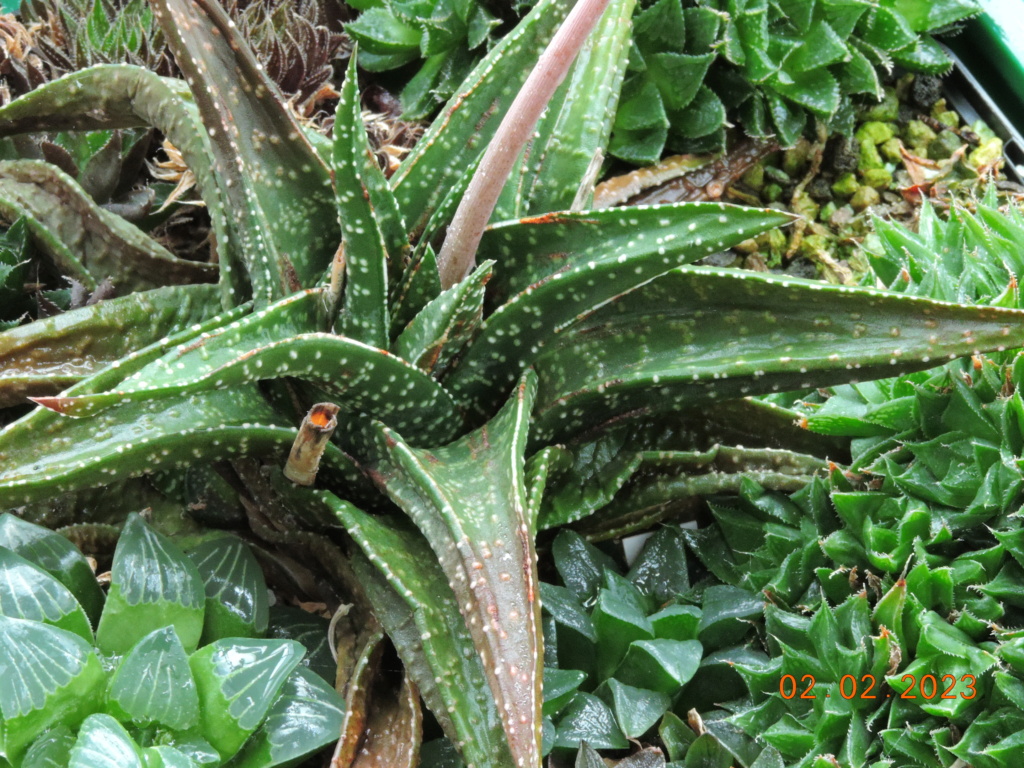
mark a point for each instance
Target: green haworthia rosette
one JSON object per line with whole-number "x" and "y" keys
{"x": 153, "y": 584}
{"x": 51, "y": 750}
{"x": 32, "y": 594}
{"x": 236, "y": 592}
{"x": 51, "y": 676}
{"x": 153, "y": 684}
{"x": 238, "y": 681}
{"x": 469, "y": 500}
{"x": 57, "y": 556}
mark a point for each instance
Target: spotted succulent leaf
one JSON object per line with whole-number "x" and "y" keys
{"x": 430, "y": 635}
{"x": 366, "y": 254}
{"x": 134, "y": 439}
{"x": 469, "y": 500}
{"x": 580, "y": 260}
{"x": 84, "y": 241}
{"x": 442, "y": 329}
{"x": 876, "y": 331}
{"x": 35, "y": 359}
{"x": 275, "y": 186}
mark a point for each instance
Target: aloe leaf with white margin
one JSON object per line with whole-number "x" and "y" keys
{"x": 469, "y": 499}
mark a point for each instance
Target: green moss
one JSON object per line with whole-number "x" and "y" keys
{"x": 845, "y": 186}
{"x": 864, "y": 198}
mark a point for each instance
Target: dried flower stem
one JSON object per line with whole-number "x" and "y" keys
{"x": 310, "y": 443}
{"x": 458, "y": 254}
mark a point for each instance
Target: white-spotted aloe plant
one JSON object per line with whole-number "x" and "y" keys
{"x": 610, "y": 351}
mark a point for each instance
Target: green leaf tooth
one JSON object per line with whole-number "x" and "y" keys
{"x": 416, "y": 606}
{"x": 57, "y": 556}
{"x": 767, "y": 335}
{"x": 306, "y": 702}
{"x": 138, "y": 601}
{"x": 577, "y": 123}
{"x": 85, "y": 241}
{"x": 272, "y": 343}
{"x": 469, "y": 500}
{"x": 104, "y": 743}
{"x": 580, "y": 260}
{"x": 439, "y": 332}
{"x": 272, "y": 181}
{"x": 457, "y": 138}
{"x": 51, "y": 354}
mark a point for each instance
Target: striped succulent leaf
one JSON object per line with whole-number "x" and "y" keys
{"x": 605, "y": 306}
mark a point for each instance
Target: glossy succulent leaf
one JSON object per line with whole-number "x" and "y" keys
{"x": 153, "y": 584}
{"x": 306, "y": 716}
{"x": 53, "y": 677}
{"x": 52, "y": 354}
{"x": 310, "y": 629}
{"x": 85, "y": 241}
{"x": 430, "y": 635}
{"x": 153, "y": 684}
{"x": 459, "y": 135}
{"x": 469, "y": 500}
{"x": 238, "y": 681}
{"x": 283, "y": 223}
{"x": 34, "y": 595}
{"x": 867, "y": 334}
{"x": 580, "y": 260}
{"x": 51, "y": 749}
{"x": 236, "y": 592}
{"x": 104, "y": 743}
{"x": 575, "y": 127}
{"x": 55, "y": 555}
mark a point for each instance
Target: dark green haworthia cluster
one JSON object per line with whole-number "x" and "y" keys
{"x": 773, "y": 66}
{"x": 169, "y": 667}
{"x": 329, "y": 291}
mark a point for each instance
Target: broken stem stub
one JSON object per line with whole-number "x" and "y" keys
{"x": 311, "y": 442}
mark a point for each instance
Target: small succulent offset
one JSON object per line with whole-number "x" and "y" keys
{"x": 612, "y": 345}
{"x": 769, "y": 65}
{"x": 169, "y": 668}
